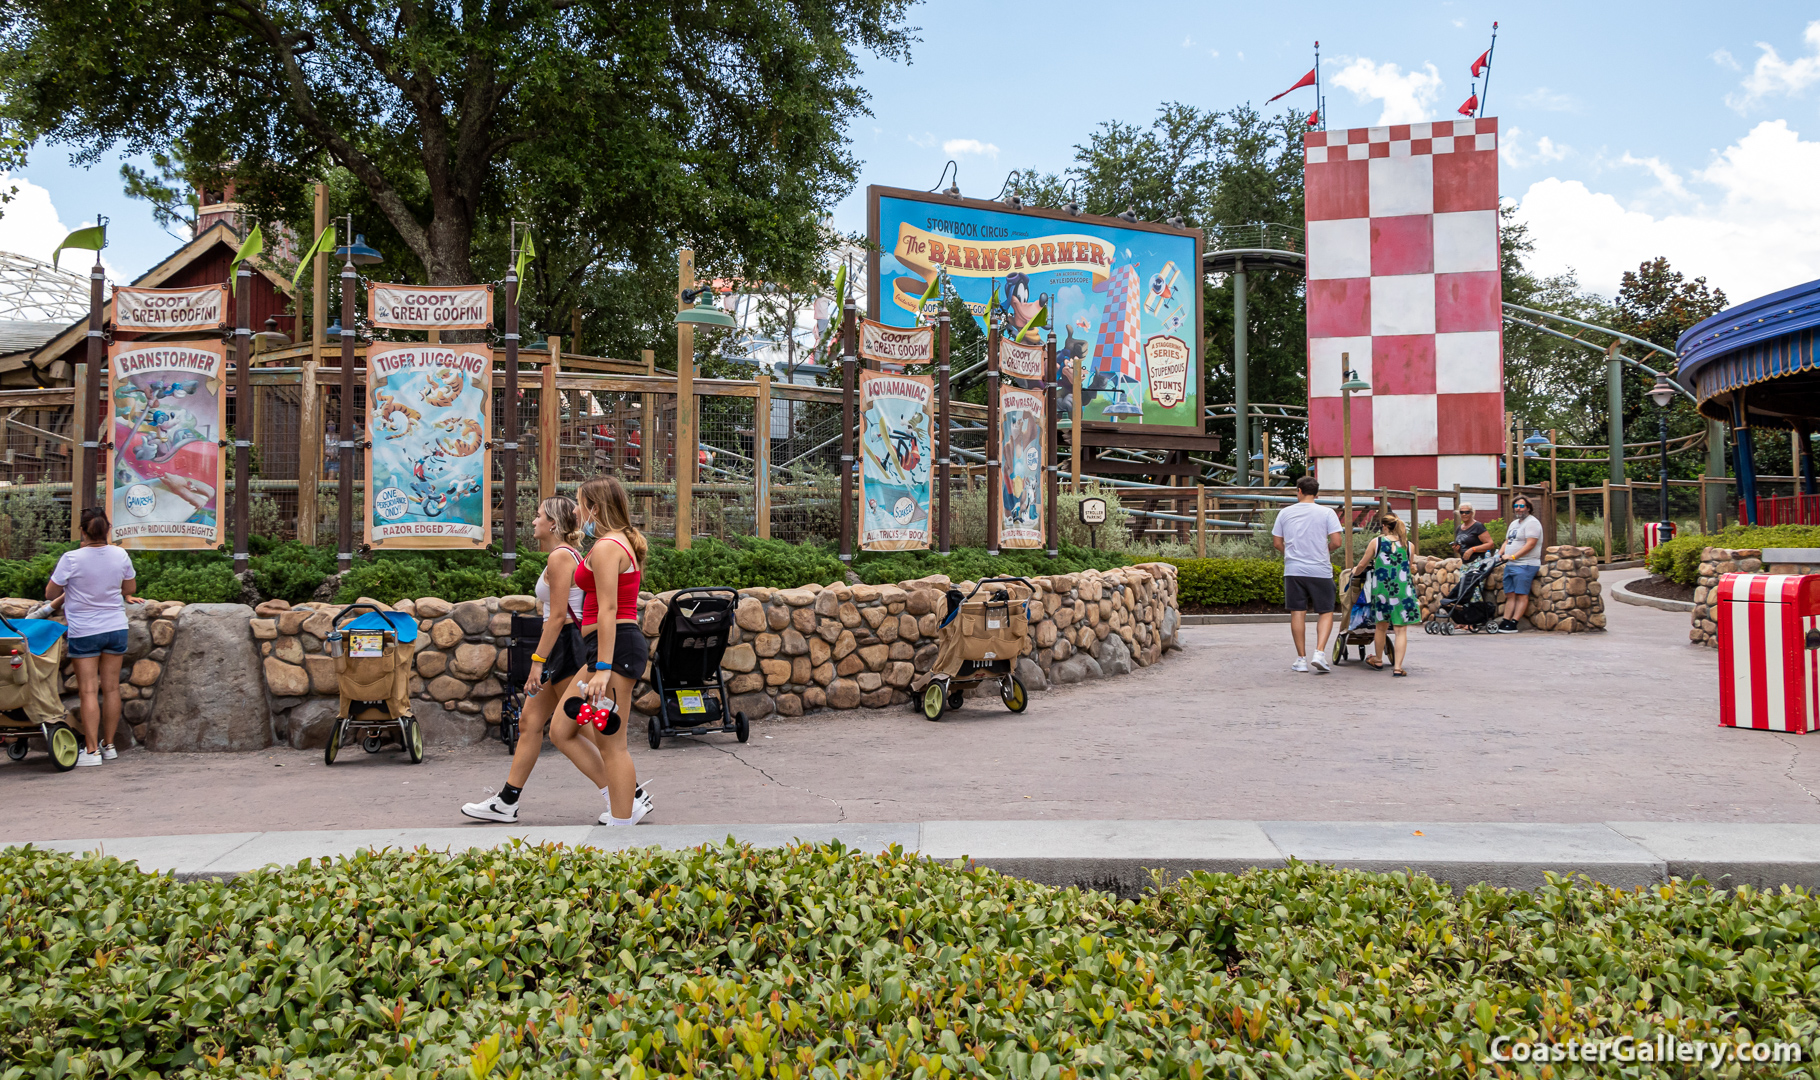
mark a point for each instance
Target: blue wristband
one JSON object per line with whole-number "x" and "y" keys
{"x": 598, "y": 666}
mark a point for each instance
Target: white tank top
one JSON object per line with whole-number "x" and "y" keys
{"x": 543, "y": 589}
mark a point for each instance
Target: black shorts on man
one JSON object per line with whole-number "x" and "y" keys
{"x": 1308, "y": 594}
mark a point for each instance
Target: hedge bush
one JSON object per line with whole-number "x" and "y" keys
{"x": 1219, "y": 582}
{"x": 1679, "y": 559}
{"x": 754, "y": 563}
{"x": 972, "y": 563}
{"x": 819, "y": 961}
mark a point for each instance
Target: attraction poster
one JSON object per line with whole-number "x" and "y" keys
{"x": 167, "y": 310}
{"x": 1021, "y": 361}
{"x": 889, "y": 345}
{"x": 895, "y": 451}
{"x": 1020, "y": 469}
{"x": 167, "y": 412}
{"x": 427, "y": 457}
{"x": 430, "y": 307}
{"x": 1123, "y": 297}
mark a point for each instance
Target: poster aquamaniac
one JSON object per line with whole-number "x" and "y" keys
{"x": 1124, "y": 298}
{"x": 166, "y": 468}
{"x": 428, "y": 463}
{"x": 1020, "y": 472}
{"x": 895, "y": 447}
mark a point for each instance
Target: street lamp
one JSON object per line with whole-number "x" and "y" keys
{"x": 704, "y": 312}
{"x": 1350, "y": 384}
{"x": 1663, "y": 394}
{"x": 355, "y": 254}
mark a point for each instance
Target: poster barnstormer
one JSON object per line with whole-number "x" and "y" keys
{"x": 427, "y": 456}
{"x": 168, "y": 310}
{"x": 166, "y": 468}
{"x": 1020, "y": 456}
{"x": 430, "y": 307}
{"x": 894, "y": 441}
{"x": 891, "y": 345}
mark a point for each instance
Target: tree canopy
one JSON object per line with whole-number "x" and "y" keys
{"x": 620, "y": 130}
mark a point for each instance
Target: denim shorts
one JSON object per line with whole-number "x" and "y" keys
{"x": 1517, "y": 578}
{"x": 113, "y": 642}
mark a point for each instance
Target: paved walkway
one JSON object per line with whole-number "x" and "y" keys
{"x": 1619, "y": 726}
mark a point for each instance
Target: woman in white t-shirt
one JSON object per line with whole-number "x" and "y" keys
{"x": 95, "y": 583}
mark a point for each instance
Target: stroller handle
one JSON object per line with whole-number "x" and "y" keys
{"x": 705, "y": 590}
{"x": 983, "y": 582}
{"x": 336, "y": 623}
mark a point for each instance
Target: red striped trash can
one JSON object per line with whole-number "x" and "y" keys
{"x": 1656, "y": 532}
{"x": 1769, "y": 652}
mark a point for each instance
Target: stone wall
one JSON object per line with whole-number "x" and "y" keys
{"x": 792, "y": 651}
{"x": 151, "y": 627}
{"x": 1716, "y": 562}
{"x": 1565, "y": 598}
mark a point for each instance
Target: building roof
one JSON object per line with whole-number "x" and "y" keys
{"x": 22, "y": 336}
{"x": 1764, "y": 321}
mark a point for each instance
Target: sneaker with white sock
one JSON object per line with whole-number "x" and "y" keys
{"x": 493, "y": 808}
{"x": 1318, "y": 661}
{"x": 1301, "y": 664}
{"x": 108, "y": 753}
{"x": 84, "y": 757}
{"x": 641, "y": 805}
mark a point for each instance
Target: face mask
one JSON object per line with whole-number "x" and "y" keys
{"x": 587, "y": 530}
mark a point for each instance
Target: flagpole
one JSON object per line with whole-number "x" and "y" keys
{"x": 350, "y": 408}
{"x": 91, "y": 408}
{"x": 1490, "y": 54}
{"x": 1320, "y": 106}
{"x": 243, "y": 409}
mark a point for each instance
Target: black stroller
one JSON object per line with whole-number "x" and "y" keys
{"x": 527, "y": 630}
{"x": 685, "y": 673}
{"x": 1465, "y": 605}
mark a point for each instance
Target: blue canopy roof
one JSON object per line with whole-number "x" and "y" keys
{"x": 396, "y": 621}
{"x": 39, "y": 634}
{"x": 1765, "y": 338}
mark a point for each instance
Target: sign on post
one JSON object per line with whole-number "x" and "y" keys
{"x": 890, "y": 345}
{"x": 427, "y": 307}
{"x": 170, "y": 310}
{"x": 428, "y": 460}
{"x": 1093, "y": 511}
{"x": 894, "y": 443}
{"x": 1020, "y": 484}
{"x": 166, "y": 468}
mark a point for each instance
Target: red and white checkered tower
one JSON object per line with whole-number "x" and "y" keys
{"x": 1403, "y": 276}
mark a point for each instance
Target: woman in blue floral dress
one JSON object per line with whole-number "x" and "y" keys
{"x": 1390, "y": 589}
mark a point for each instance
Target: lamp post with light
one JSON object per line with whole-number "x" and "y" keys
{"x": 353, "y": 254}
{"x": 698, "y": 309}
{"x": 1350, "y": 383}
{"x": 1663, "y": 394}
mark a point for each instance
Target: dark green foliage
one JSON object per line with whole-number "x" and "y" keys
{"x": 554, "y": 962}
{"x": 972, "y": 564}
{"x": 754, "y": 563}
{"x": 455, "y": 576}
{"x": 1435, "y": 536}
{"x": 1211, "y": 582}
{"x": 194, "y": 577}
{"x": 1679, "y": 559}
{"x": 288, "y": 570}
{"x": 28, "y": 577}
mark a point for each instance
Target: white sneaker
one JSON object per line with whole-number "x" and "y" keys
{"x": 1301, "y": 664}
{"x": 1318, "y": 661}
{"x": 108, "y": 752}
{"x": 492, "y": 809}
{"x": 641, "y": 805}
{"x": 83, "y": 757}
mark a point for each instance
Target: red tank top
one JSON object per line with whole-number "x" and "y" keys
{"x": 628, "y": 590}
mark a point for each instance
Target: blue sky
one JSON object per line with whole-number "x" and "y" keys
{"x": 1630, "y": 130}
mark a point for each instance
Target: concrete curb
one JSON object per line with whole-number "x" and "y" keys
{"x": 1236, "y": 620}
{"x": 1111, "y": 856}
{"x": 1624, "y": 596}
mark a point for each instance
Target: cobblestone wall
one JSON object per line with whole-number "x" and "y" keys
{"x": 151, "y": 626}
{"x": 1566, "y": 596}
{"x": 1716, "y": 562}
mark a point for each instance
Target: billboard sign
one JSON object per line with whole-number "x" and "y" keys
{"x": 427, "y": 453}
{"x": 1124, "y": 297}
{"x": 895, "y": 451}
{"x": 166, "y": 467}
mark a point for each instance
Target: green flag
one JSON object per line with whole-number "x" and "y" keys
{"x": 255, "y": 243}
{"x": 1041, "y": 320}
{"x": 324, "y": 245}
{"x": 525, "y": 254}
{"x": 93, "y": 238}
{"x": 991, "y": 306}
{"x": 935, "y": 284}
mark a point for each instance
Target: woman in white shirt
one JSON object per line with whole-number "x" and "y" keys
{"x": 95, "y": 583}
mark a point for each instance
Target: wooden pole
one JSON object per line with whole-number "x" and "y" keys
{"x": 1052, "y": 457}
{"x": 942, "y": 452}
{"x": 761, "y": 457}
{"x": 1345, "y": 450}
{"x": 992, "y": 440}
{"x": 243, "y": 410}
{"x": 83, "y": 374}
{"x": 549, "y": 424}
{"x": 350, "y": 408}
{"x": 1074, "y": 430}
{"x": 1573, "y": 515}
{"x": 91, "y": 415}
{"x": 685, "y": 406}
{"x": 849, "y": 361}
{"x": 309, "y": 405}
{"x": 1605, "y": 505}
{"x": 1554, "y": 478}
{"x": 647, "y": 438}
{"x": 508, "y": 558}
{"x": 1200, "y": 520}
{"x": 1550, "y": 536}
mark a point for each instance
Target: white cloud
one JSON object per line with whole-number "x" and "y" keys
{"x": 1773, "y": 75}
{"x": 30, "y": 225}
{"x": 1408, "y": 97}
{"x": 969, "y": 146}
{"x": 1724, "y": 58}
{"x": 1188, "y": 42}
{"x": 1744, "y": 222}
{"x": 1517, "y": 155}
{"x": 1552, "y": 101}
{"x": 1215, "y": 53}
{"x": 925, "y": 140}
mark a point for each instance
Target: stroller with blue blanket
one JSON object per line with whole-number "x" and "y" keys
{"x": 31, "y": 691}
{"x": 1465, "y": 605}
{"x": 1357, "y": 628}
{"x": 374, "y": 655}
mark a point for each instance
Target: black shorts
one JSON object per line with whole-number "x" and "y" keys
{"x": 631, "y": 652}
{"x": 567, "y": 656}
{"x": 1308, "y": 594}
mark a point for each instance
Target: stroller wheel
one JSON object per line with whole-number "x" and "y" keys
{"x": 337, "y": 731}
{"x": 654, "y": 733}
{"x": 413, "y": 740}
{"x": 64, "y": 746}
{"x": 935, "y": 700}
{"x": 370, "y": 744}
{"x": 17, "y": 749}
{"x": 1011, "y": 689}
{"x": 742, "y": 728}
{"x": 955, "y": 700}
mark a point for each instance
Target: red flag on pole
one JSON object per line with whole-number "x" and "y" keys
{"x": 1470, "y": 106}
{"x": 1483, "y": 62}
{"x": 1314, "y": 118}
{"x": 1306, "y": 80}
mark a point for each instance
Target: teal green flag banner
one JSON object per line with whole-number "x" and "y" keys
{"x": 325, "y": 244}
{"x": 255, "y": 243}
{"x": 525, "y": 255}
{"x": 93, "y": 238}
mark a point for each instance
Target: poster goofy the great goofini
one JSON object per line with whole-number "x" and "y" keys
{"x": 427, "y": 453}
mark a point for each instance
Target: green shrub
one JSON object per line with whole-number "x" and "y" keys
{"x": 387, "y": 580}
{"x": 540, "y": 962}
{"x": 1679, "y": 559}
{"x": 28, "y": 577}
{"x": 192, "y": 577}
{"x": 754, "y": 563}
{"x": 1211, "y": 582}
{"x": 289, "y": 570}
{"x": 971, "y": 564}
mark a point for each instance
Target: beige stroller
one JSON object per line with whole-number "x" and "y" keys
{"x": 31, "y": 691}
{"x": 980, "y": 639}
{"x": 374, "y": 657}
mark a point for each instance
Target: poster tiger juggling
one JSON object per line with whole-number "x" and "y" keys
{"x": 427, "y": 456}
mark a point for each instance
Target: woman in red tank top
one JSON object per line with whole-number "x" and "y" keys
{"x": 611, "y": 573}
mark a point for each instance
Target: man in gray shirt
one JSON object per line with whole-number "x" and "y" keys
{"x": 1307, "y": 533}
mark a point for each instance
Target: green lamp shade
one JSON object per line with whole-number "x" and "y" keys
{"x": 705, "y": 312}
{"x": 1355, "y": 384}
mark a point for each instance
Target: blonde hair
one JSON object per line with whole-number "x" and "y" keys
{"x": 560, "y": 509}
{"x": 1393, "y": 525}
{"x": 607, "y": 503}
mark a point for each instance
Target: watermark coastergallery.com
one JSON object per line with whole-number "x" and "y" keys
{"x": 1626, "y": 1048}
